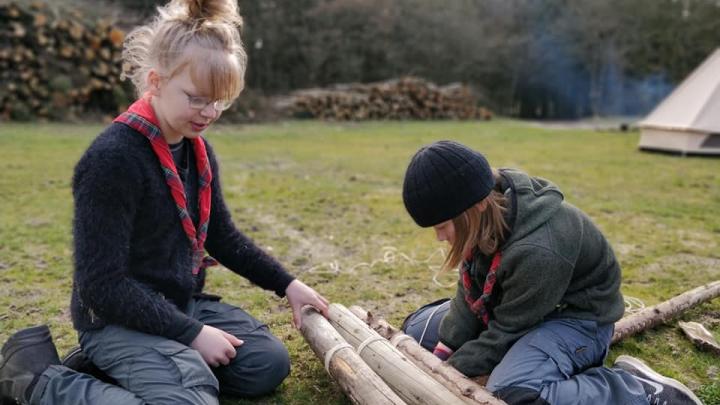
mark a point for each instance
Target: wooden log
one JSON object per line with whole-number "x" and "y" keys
{"x": 116, "y": 37}
{"x": 700, "y": 336}
{"x": 405, "y": 378}
{"x": 655, "y": 315}
{"x": 356, "y": 379}
{"x": 444, "y": 373}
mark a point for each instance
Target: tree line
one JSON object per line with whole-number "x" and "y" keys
{"x": 525, "y": 58}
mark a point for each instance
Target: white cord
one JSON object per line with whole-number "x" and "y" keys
{"x": 389, "y": 255}
{"x": 633, "y": 305}
{"x": 330, "y": 353}
{"x": 399, "y": 338}
{"x": 427, "y": 323}
{"x": 367, "y": 341}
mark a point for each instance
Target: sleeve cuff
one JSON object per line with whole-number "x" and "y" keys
{"x": 284, "y": 280}
{"x": 185, "y": 330}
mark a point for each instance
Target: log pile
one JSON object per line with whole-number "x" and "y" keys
{"x": 341, "y": 361}
{"x": 447, "y": 375}
{"x": 397, "y": 99}
{"x": 54, "y": 66}
{"x": 370, "y": 370}
{"x": 371, "y": 359}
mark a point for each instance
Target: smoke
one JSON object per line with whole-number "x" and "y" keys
{"x": 574, "y": 66}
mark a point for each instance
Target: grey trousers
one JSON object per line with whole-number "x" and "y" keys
{"x": 155, "y": 370}
{"x": 560, "y": 362}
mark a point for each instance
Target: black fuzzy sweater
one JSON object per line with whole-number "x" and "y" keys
{"x": 132, "y": 257}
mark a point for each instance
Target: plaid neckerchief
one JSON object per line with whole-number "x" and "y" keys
{"x": 480, "y": 305}
{"x": 141, "y": 117}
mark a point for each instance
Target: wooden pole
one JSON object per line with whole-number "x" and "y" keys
{"x": 356, "y": 379}
{"x": 406, "y": 379}
{"x": 660, "y": 313}
{"x": 444, "y": 373}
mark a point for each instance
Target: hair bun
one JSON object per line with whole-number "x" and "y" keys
{"x": 210, "y": 10}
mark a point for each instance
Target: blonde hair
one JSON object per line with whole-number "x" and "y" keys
{"x": 211, "y": 27}
{"x": 478, "y": 228}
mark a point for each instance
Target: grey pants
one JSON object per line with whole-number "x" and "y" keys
{"x": 561, "y": 360}
{"x": 155, "y": 370}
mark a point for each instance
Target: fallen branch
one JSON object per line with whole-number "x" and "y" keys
{"x": 356, "y": 379}
{"x": 445, "y": 374}
{"x": 700, "y": 336}
{"x": 406, "y": 379}
{"x": 655, "y": 315}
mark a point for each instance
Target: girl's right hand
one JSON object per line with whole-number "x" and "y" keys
{"x": 216, "y": 346}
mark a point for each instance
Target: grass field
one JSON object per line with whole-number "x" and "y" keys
{"x": 326, "y": 198}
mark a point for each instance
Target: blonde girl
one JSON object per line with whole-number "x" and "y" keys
{"x": 148, "y": 207}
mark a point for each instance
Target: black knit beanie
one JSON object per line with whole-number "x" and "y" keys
{"x": 443, "y": 180}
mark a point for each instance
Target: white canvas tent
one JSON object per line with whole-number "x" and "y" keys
{"x": 688, "y": 120}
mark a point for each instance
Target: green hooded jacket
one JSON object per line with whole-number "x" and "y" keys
{"x": 555, "y": 262}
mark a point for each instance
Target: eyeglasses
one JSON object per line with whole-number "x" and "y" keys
{"x": 200, "y": 103}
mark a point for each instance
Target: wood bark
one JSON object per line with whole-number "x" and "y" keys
{"x": 405, "y": 378}
{"x": 445, "y": 374}
{"x": 660, "y": 313}
{"x": 361, "y": 385}
{"x": 700, "y": 336}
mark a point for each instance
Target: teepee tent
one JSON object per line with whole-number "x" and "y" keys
{"x": 688, "y": 120}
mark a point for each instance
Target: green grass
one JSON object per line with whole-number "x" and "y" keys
{"x": 317, "y": 193}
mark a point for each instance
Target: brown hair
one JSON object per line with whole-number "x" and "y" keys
{"x": 478, "y": 228}
{"x": 210, "y": 27}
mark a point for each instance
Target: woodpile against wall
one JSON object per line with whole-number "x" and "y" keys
{"x": 404, "y": 98}
{"x": 57, "y": 66}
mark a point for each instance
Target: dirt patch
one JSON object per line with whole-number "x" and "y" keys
{"x": 624, "y": 249}
{"x": 305, "y": 252}
{"x": 695, "y": 240}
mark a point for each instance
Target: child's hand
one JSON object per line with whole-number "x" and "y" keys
{"x": 299, "y": 295}
{"x": 216, "y": 346}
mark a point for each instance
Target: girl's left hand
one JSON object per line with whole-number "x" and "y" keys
{"x": 299, "y": 295}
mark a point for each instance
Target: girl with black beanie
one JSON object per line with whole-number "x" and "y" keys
{"x": 538, "y": 291}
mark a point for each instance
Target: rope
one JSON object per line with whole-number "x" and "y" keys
{"x": 389, "y": 255}
{"x": 330, "y": 353}
{"x": 399, "y": 338}
{"x": 367, "y": 342}
{"x": 392, "y": 255}
{"x": 633, "y": 305}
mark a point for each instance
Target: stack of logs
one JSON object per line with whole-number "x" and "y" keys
{"x": 57, "y": 66}
{"x": 371, "y": 370}
{"x": 404, "y": 98}
{"x": 375, "y": 363}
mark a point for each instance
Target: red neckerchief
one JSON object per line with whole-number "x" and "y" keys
{"x": 141, "y": 117}
{"x": 480, "y": 305}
